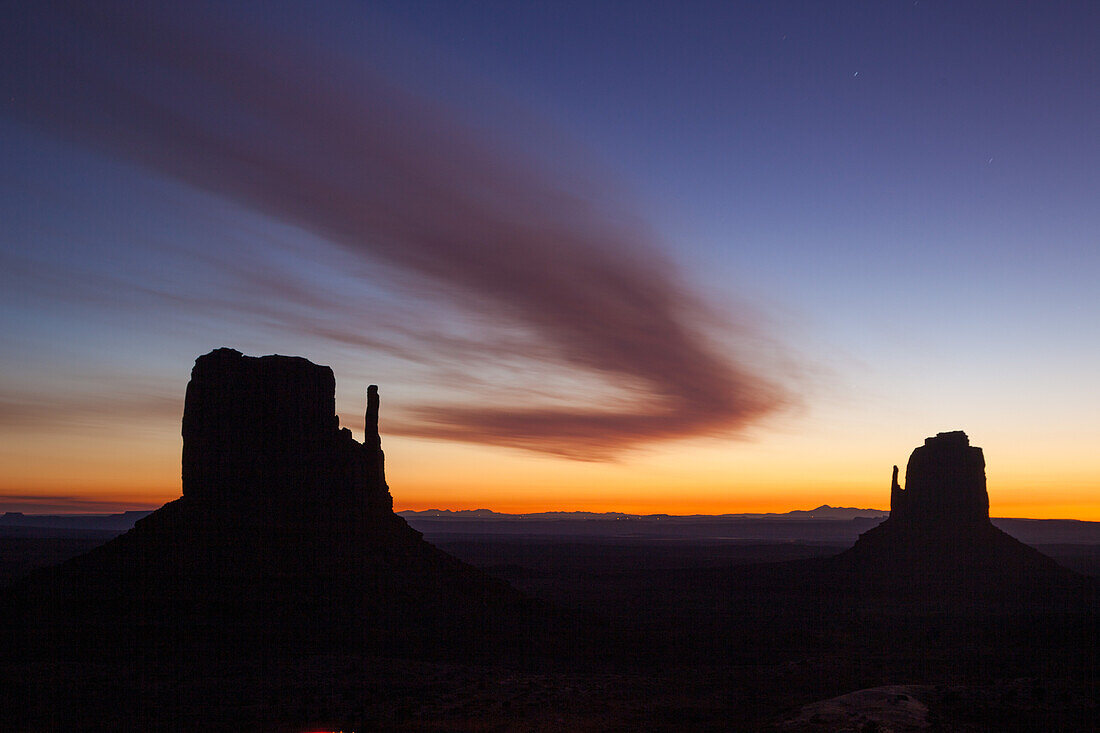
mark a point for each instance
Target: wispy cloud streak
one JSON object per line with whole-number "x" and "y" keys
{"x": 28, "y": 411}
{"x": 311, "y": 139}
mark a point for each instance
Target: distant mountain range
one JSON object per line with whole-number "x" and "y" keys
{"x": 117, "y": 522}
{"x": 825, "y": 523}
{"x": 125, "y": 520}
{"x": 822, "y": 512}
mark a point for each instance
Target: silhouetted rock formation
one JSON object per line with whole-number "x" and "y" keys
{"x": 261, "y": 435}
{"x": 284, "y": 538}
{"x": 938, "y": 535}
{"x": 944, "y": 483}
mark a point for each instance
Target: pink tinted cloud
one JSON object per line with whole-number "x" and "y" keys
{"x": 311, "y": 139}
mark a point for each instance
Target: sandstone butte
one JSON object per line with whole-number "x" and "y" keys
{"x": 284, "y": 538}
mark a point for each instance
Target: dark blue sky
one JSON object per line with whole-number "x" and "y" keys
{"x": 820, "y": 225}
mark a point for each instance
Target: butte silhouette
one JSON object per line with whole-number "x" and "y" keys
{"x": 938, "y": 541}
{"x": 284, "y": 539}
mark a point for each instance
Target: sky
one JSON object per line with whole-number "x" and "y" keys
{"x": 647, "y": 257}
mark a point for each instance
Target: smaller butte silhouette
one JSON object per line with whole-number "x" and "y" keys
{"x": 938, "y": 538}
{"x": 284, "y": 539}
{"x": 944, "y": 485}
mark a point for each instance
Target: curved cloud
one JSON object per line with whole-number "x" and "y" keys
{"x": 311, "y": 139}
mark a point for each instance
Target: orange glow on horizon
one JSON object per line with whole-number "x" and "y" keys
{"x": 1084, "y": 513}
{"x": 100, "y": 499}
{"x": 142, "y": 471}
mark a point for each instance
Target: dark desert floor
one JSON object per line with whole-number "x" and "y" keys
{"x": 709, "y": 635}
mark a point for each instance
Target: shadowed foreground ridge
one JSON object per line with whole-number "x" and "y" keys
{"x": 284, "y": 541}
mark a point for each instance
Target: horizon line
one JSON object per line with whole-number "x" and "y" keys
{"x": 124, "y": 509}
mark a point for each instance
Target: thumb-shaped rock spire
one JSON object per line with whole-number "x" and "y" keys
{"x": 370, "y": 431}
{"x": 897, "y": 496}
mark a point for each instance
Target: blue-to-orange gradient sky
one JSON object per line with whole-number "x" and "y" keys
{"x": 648, "y": 257}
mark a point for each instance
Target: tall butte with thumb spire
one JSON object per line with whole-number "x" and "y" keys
{"x": 284, "y": 538}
